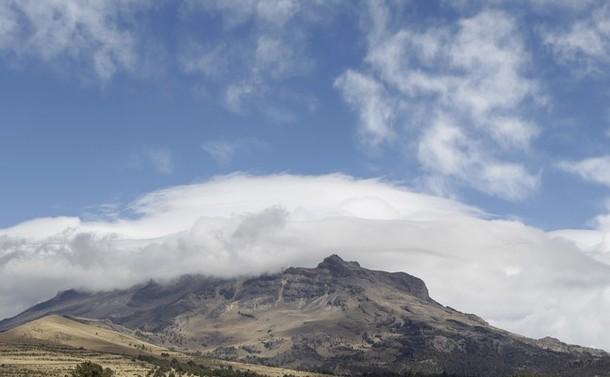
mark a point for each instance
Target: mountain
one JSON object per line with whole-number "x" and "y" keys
{"x": 338, "y": 318}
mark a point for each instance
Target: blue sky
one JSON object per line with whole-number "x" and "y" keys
{"x": 102, "y": 102}
{"x": 459, "y": 141}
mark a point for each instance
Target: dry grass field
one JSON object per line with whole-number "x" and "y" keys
{"x": 56, "y": 330}
{"x": 53, "y": 345}
{"x": 24, "y": 360}
{"x": 266, "y": 370}
{"x": 32, "y": 360}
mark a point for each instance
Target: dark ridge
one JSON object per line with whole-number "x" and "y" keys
{"x": 69, "y": 294}
{"x": 336, "y": 262}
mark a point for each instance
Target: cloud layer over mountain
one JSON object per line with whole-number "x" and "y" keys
{"x": 516, "y": 276}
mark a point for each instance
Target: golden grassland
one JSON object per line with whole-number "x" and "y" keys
{"x": 20, "y": 360}
{"x": 43, "y": 360}
{"x": 52, "y": 346}
{"x": 78, "y": 333}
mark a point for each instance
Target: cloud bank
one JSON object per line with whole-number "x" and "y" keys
{"x": 515, "y": 276}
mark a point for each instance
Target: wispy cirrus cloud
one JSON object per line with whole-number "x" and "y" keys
{"x": 91, "y": 33}
{"x": 246, "y": 72}
{"x": 594, "y": 169}
{"x": 447, "y": 151}
{"x": 376, "y": 108}
{"x": 160, "y": 159}
{"x": 584, "y": 46}
{"x": 457, "y": 92}
{"x": 225, "y": 151}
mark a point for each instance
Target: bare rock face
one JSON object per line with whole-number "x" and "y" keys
{"x": 337, "y": 317}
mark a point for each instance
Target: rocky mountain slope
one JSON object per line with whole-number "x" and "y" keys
{"x": 337, "y": 317}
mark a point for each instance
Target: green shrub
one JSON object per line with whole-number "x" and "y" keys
{"x": 89, "y": 369}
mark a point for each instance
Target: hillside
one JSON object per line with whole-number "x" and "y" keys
{"x": 338, "y": 318}
{"x": 23, "y": 360}
{"x": 58, "y": 330}
{"x": 52, "y": 345}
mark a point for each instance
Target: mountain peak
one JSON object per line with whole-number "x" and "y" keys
{"x": 335, "y": 263}
{"x": 68, "y": 293}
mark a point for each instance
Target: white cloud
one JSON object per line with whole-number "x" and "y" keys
{"x": 377, "y": 110}
{"x": 469, "y": 68}
{"x": 160, "y": 159}
{"x": 274, "y": 56}
{"x": 42, "y": 228}
{"x": 550, "y": 5}
{"x": 237, "y": 93}
{"x": 445, "y": 149}
{"x": 595, "y": 169}
{"x": 248, "y": 70}
{"x": 237, "y": 12}
{"x": 211, "y": 62}
{"x": 513, "y": 132}
{"x": 224, "y": 151}
{"x": 537, "y": 6}
{"x": 585, "y": 44}
{"x": 472, "y": 75}
{"x": 594, "y": 242}
{"x": 91, "y": 32}
{"x": 516, "y": 276}
{"x": 8, "y": 25}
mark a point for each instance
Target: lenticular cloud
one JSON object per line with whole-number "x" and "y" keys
{"x": 513, "y": 275}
